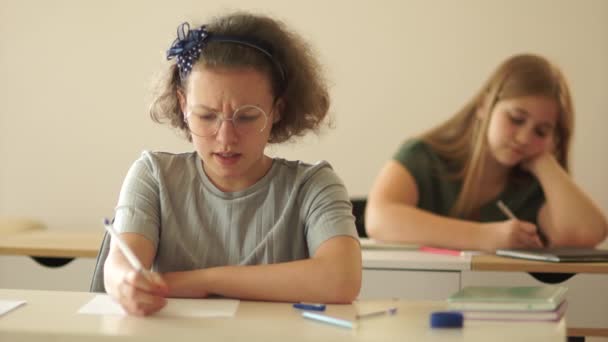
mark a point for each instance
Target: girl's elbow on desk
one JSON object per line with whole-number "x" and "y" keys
{"x": 577, "y": 237}
{"x": 341, "y": 283}
{"x": 373, "y": 231}
{"x": 374, "y": 223}
{"x": 343, "y": 292}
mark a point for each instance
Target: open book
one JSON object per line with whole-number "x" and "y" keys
{"x": 506, "y": 298}
{"x": 559, "y": 254}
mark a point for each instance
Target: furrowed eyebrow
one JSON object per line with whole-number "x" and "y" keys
{"x": 205, "y": 107}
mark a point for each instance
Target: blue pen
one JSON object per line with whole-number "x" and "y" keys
{"x": 310, "y": 306}
{"x": 344, "y": 323}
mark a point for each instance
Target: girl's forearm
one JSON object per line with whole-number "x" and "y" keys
{"x": 323, "y": 280}
{"x": 574, "y": 217}
{"x": 390, "y": 221}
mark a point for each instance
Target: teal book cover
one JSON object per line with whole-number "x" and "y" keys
{"x": 497, "y": 298}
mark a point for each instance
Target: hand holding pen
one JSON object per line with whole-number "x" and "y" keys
{"x": 505, "y": 210}
{"x": 139, "y": 291}
{"x": 520, "y": 233}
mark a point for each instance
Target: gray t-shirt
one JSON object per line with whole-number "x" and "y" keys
{"x": 285, "y": 216}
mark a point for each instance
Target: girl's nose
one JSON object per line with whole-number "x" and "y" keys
{"x": 226, "y": 132}
{"x": 524, "y": 136}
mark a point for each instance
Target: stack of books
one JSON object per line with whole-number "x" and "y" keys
{"x": 525, "y": 303}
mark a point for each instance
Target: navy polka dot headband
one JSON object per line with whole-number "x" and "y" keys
{"x": 189, "y": 45}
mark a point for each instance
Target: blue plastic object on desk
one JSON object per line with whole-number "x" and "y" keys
{"x": 310, "y": 306}
{"x": 447, "y": 319}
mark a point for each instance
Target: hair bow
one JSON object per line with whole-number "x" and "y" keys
{"x": 187, "y": 47}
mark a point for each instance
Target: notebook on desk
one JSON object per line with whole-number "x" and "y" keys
{"x": 520, "y": 315}
{"x": 507, "y": 298}
{"x": 558, "y": 254}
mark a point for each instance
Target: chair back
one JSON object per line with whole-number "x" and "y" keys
{"x": 97, "y": 284}
{"x": 359, "y": 213}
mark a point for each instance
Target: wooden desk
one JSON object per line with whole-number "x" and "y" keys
{"x": 52, "y": 316}
{"x": 52, "y": 243}
{"x": 408, "y": 274}
{"x": 486, "y": 262}
{"x": 12, "y": 225}
{"x": 413, "y": 260}
{"x": 404, "y": 274}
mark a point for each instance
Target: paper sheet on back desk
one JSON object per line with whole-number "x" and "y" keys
{"x": 176, "y": 307}
{"x": 8, "y": 305}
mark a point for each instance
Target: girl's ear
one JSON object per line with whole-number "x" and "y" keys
{"x": 279, "y": 106}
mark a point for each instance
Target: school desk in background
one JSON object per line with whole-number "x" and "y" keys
{"x": 557, "y": 254}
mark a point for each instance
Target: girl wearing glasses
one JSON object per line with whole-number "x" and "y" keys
{"x": 227, "y": 219}
{"x": 509, "y": 144}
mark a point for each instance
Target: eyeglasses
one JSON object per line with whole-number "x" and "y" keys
{"x": 247, "y": 119}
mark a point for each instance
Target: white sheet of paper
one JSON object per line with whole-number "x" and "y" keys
{"x": 8, "y": 305}
{"x": 176, "y": 307}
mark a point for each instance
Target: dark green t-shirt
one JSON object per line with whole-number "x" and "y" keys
{"x": 437, "y": 193}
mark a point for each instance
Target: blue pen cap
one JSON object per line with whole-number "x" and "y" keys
{"x": 310, "y": 306}
{"x": 447, "y": 319}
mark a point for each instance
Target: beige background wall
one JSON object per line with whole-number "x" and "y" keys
{"x": 75, "y": 75}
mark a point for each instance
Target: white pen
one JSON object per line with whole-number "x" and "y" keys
{"x": 389, "y": 311}
{"x": 124, "y": 248}
{"x": 344, "y": 323}
{"x": 505, "y": 210}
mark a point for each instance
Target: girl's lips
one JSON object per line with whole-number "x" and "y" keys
{"x": 227, "y": 158}
{"x": 518, "y": 151}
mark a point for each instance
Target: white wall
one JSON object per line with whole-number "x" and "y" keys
{"x": 75, "y": 75}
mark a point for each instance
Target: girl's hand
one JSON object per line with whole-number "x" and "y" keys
{"x": 536, "y": 163}
{"x": 510, "y": 234}
{"x": 141, "y": 293}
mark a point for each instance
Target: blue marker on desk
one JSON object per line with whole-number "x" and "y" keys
{"x": 310, "y": 306}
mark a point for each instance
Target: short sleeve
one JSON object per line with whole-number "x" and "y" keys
{"x": 328, "y": 210}
{"x": 414, "y": 155}
{"x": 138, "y": 209}
{"x": 436, "y": 191}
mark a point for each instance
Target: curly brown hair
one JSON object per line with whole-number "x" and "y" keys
{"x": 303, "y": 91}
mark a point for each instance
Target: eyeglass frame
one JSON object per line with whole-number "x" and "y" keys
{"x": 222, "y": 117}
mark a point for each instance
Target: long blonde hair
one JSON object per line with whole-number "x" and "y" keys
{"x": 462, "y": 139}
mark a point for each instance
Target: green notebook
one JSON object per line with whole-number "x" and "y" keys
{"x": 511, "y": 298}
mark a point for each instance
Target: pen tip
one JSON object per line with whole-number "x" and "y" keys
{"x": 106, "y": 221}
